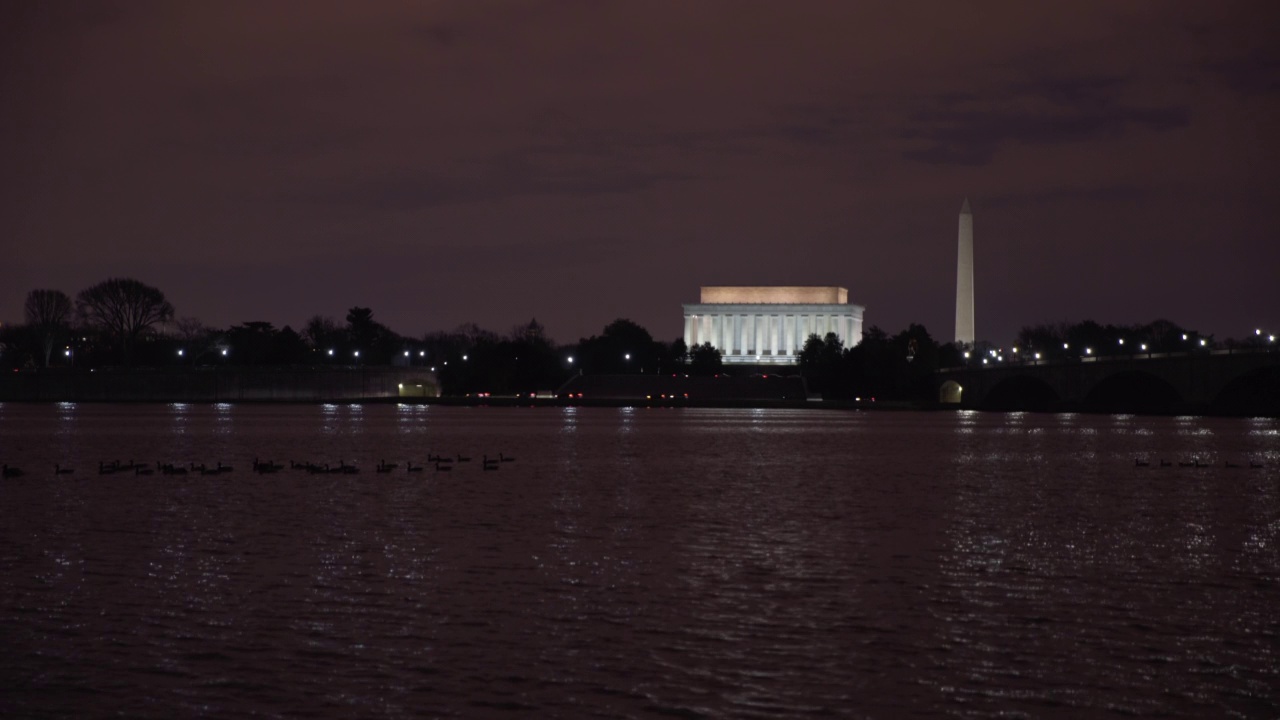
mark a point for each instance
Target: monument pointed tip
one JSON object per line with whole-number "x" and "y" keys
{"x": 964, "y": 209}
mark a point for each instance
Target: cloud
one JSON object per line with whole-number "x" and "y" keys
{"x": 507, "y": 175}
{"x": 820, "y": 124}
{"x": 1080, "y": 196}
{"x": 1255, "y": 74}
{"x": 970, "y": 130}
{"x": 436, "y": 34}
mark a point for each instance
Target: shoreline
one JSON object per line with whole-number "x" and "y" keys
{"x": 746, "y": 404}
{"x": 417, "y": 386}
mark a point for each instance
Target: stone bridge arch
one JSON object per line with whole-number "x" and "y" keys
{"x": 1256, "y": 392}
{"x": 950, "y": 393}
{"x": 1022, "y": 392}
{"x": 1130, "y": 390}
{"x": 1228, "y": 381}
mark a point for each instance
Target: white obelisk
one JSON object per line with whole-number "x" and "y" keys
{"x": 964, "y": 277}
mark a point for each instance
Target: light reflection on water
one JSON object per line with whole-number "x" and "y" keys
{"x": 635, "y": 562}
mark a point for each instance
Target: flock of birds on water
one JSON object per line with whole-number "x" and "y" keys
{"x": 1195, "y": 463}
{"x": 438, "y": 463}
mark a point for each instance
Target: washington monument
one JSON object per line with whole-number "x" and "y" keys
{"x": 964, "y": 277}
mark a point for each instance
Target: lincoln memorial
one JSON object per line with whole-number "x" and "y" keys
{"x": 770, "y": 324}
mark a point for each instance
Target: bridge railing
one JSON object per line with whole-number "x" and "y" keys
{"x": 1023, "y": 361}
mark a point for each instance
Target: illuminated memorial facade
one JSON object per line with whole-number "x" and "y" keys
{"x": 770, "y": 324}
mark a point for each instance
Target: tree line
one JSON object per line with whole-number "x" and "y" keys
{"x": 881, "y": 367}
{"x": 125, "y": 322}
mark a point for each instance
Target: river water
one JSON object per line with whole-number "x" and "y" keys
{"x": 638, "y": 563}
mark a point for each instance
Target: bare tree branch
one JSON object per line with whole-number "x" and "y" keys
{"x": 48, "y": 314}
{"x": 124, "y": 309}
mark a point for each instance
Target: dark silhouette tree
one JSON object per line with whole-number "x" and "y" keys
{"x": 17, "y": 343}
{"x": 533, "y": 360}
{"x": 623, "y": 347}
{"x": 252, "y": 341}
{"x": 360, "y": 317}
{"x": 375, "y": 342}
{"x": 1046, "y": 338}
{"x": 323, "y": 334}
{"x": 469, "y": 334}
{"x": 361, "y": 327}
{"x": 870, "y": 365}
{"x": 914, "y": 358}
{"x": 196, "y": 339}
{"x": 678, "y": 354}
{"x": 705, "y": 359}
{"x": 532, "y": 331}
{"x": 897, "y": 368}
{"x": 124, "y": 310}
{"x": 287, "y": 347}
{"x": 821, "y": 362}
{"x": 1069, "y": 340}
{"x": 48, "y": 314}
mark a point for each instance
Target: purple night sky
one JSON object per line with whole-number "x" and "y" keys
{"x": 444, "y": 162}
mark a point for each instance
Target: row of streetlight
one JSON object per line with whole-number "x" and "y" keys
{"x": 1142, "y": 347}
{"x": 569, "y": 359}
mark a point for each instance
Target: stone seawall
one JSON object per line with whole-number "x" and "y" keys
{"x": 208, "y": 384}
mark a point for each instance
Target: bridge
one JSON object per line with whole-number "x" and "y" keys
{"x": 1234, "y": 381}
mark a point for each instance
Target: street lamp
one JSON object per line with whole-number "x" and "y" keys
{"x": 570, "y": 359}
{"x": 180, "y": 352}
{"x": 627, "y": 356}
